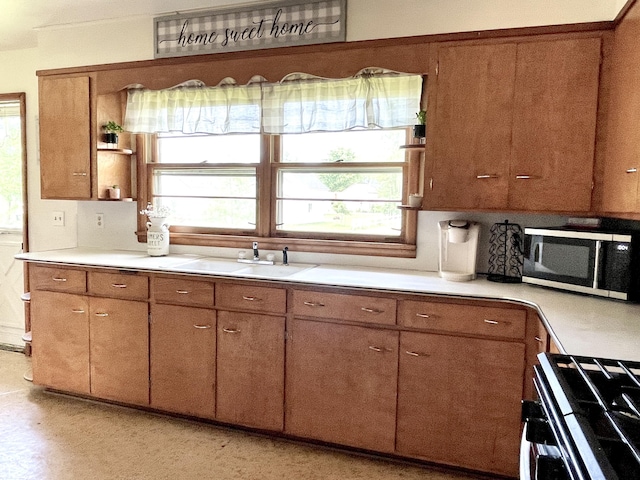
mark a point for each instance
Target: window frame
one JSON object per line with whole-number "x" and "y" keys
{"x": 266, "y": 233}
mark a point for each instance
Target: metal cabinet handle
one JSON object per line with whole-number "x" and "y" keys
{"x": 182, "y": 292}
{"x": 424, "y": 315}
{"x": 375, "y": 349}
{"x": 79, "y": 174}
{"x": 231, "y": 330}
{"x": 417, "y": 354}
{"x": 251, "y": 299}
{"x": 375, "y": 311}
{"x": 119, "y": 285}
{"x": 485, "y": 176}
{"x": 491, "y": 322}
{"x": 77, "y": 310}
{"x": 527, "y": 177}
{"x": 58, "y": 279}
{"x": 314, "y": 304}
{"x": 632, "y": 170}
{"x": 538, "y": 339}
{"x": 102, "y": 314}
{"x": 202, "y": 326}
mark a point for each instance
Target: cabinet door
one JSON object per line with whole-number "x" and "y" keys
{"x": 119, "y": 350}
{"x": 341, "y": 384}
{"x": 554, "y": 125}
{"x": 459, "y": 401}
{"x": 183, "y": 352}
{"x": 250, "y": 367}
{"x": 472, "y": 140}
{"x": 60, "y": 330}
{"x": 65, "y": 137}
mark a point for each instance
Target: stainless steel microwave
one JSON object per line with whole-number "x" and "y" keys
{"x": 586, "y": 261}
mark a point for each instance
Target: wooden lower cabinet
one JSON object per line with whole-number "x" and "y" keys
{"x": 341, "y": 384}
{"x": 119, "y": 349}
{"x": 60, "y": 331}
{"x": 250, "y": 366}
{"x": 459, "y": 401}
{"x": 183, "y": 359}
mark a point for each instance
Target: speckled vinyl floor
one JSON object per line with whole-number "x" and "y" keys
{"x": 44, "y": 436}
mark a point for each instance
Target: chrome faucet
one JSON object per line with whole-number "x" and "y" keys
{"x": 285, "y": 256}
{"x": 256, "y": 257}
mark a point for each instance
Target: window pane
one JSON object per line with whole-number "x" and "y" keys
{"x": 11, "y": 209}
{"x": 345, "y": 217}
{"x": 211, "y": 212}
{"x": 175, "y": 148}
{"x": 355, "y": 201}
{"x": 352, "y": 146}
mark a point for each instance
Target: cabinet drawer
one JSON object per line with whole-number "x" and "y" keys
{"x": 183, "y": 292}
{"x": 249, "y": 297}
{"x": 357, "y": 308}
{"x": 119, "y": 285}
{"x": 494, "y": 321}
{"x": 58, "y": 279}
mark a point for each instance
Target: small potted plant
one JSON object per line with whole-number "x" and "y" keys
{"x": 114, "y": 192}
{"x": 420, "y": 128}
{"x": 111, "y": 132}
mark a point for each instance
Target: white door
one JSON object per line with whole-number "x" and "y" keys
{"x": 12, "y": 209}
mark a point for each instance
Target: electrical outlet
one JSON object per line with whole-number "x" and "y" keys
{"x": 100, "y": 220}
{"x": 57, "y": 219}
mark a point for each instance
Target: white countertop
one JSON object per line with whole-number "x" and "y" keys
{"x": 581, "y": 325}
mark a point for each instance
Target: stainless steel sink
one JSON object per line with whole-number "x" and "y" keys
{"x": 210, "y": 265}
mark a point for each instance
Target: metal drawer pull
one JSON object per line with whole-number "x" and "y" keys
{"x": 231, "y": 330}
{"x": 119, "y": 285}
{"x": 77, "y": 310}
{"x": 182, "y": 292}
{"x": 416, "y": 354}
{"x": 371, "y": 310}
{"x": 375, "y": 349}
{"x": 423, "y": 315}
{"x": 251, "y": 299}
{"x": 483, "y": 177}
{"x": 79, "y": 174}
{"x": 527, "y": 177}
{"x": 101, "y": 314}
{"x": 314, "y": 304}
{"x": 58, "y": 279}
{"x": 538, "y": 339}
{"x": 491, "y": 322}
{"x": 202, "y": 326}
{"x": 632, "y": 170}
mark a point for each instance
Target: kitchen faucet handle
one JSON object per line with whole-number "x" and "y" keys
{"x": 285, "y": 256}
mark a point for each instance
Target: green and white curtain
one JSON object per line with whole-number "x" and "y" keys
{"x": 299, "y": 103}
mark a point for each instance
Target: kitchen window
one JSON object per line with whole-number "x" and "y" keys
{"x": 314, "y": 164}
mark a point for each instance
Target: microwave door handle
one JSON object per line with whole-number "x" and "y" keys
{"x": 537, "y": 253}
{"x": 596, "y": 270}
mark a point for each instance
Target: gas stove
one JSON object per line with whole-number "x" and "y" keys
{"x": 586, "y": 422}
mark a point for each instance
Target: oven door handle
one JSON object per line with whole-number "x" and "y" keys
{"x": 525, "y": 456}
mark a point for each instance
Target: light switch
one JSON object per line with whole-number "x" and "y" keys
{"x": 57, "y": 219}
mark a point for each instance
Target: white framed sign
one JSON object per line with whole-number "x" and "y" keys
{"x": 284, "y": 23}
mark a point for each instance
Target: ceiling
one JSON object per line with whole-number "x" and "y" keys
{"x": 21, "y": 19}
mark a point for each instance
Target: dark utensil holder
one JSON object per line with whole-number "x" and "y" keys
{"x": 505, "y": 253}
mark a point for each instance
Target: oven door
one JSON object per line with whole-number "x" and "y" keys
{"x": 563, "y": 262}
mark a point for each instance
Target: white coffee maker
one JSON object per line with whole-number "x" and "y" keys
{"x": 458, "y": 242}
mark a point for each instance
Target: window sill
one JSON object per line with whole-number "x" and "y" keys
{"x": 376, "y": 249}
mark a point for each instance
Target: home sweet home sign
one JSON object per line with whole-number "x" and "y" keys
{"x": 272, "y": 25}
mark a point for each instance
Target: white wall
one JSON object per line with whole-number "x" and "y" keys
{"x": 132, "y": 39}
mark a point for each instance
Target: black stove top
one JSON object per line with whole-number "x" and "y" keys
{"x": 594, "y": 408}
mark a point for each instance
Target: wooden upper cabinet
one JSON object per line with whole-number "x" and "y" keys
{"x": 65, "y": 137}
{"x": 620, "y": 185}
{"x": 515, "y": 126}
{"x": 554, "y": 125}
{"x": 472, "y": 138}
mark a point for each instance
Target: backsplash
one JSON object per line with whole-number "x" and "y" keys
{"x": 119, "y": 227}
